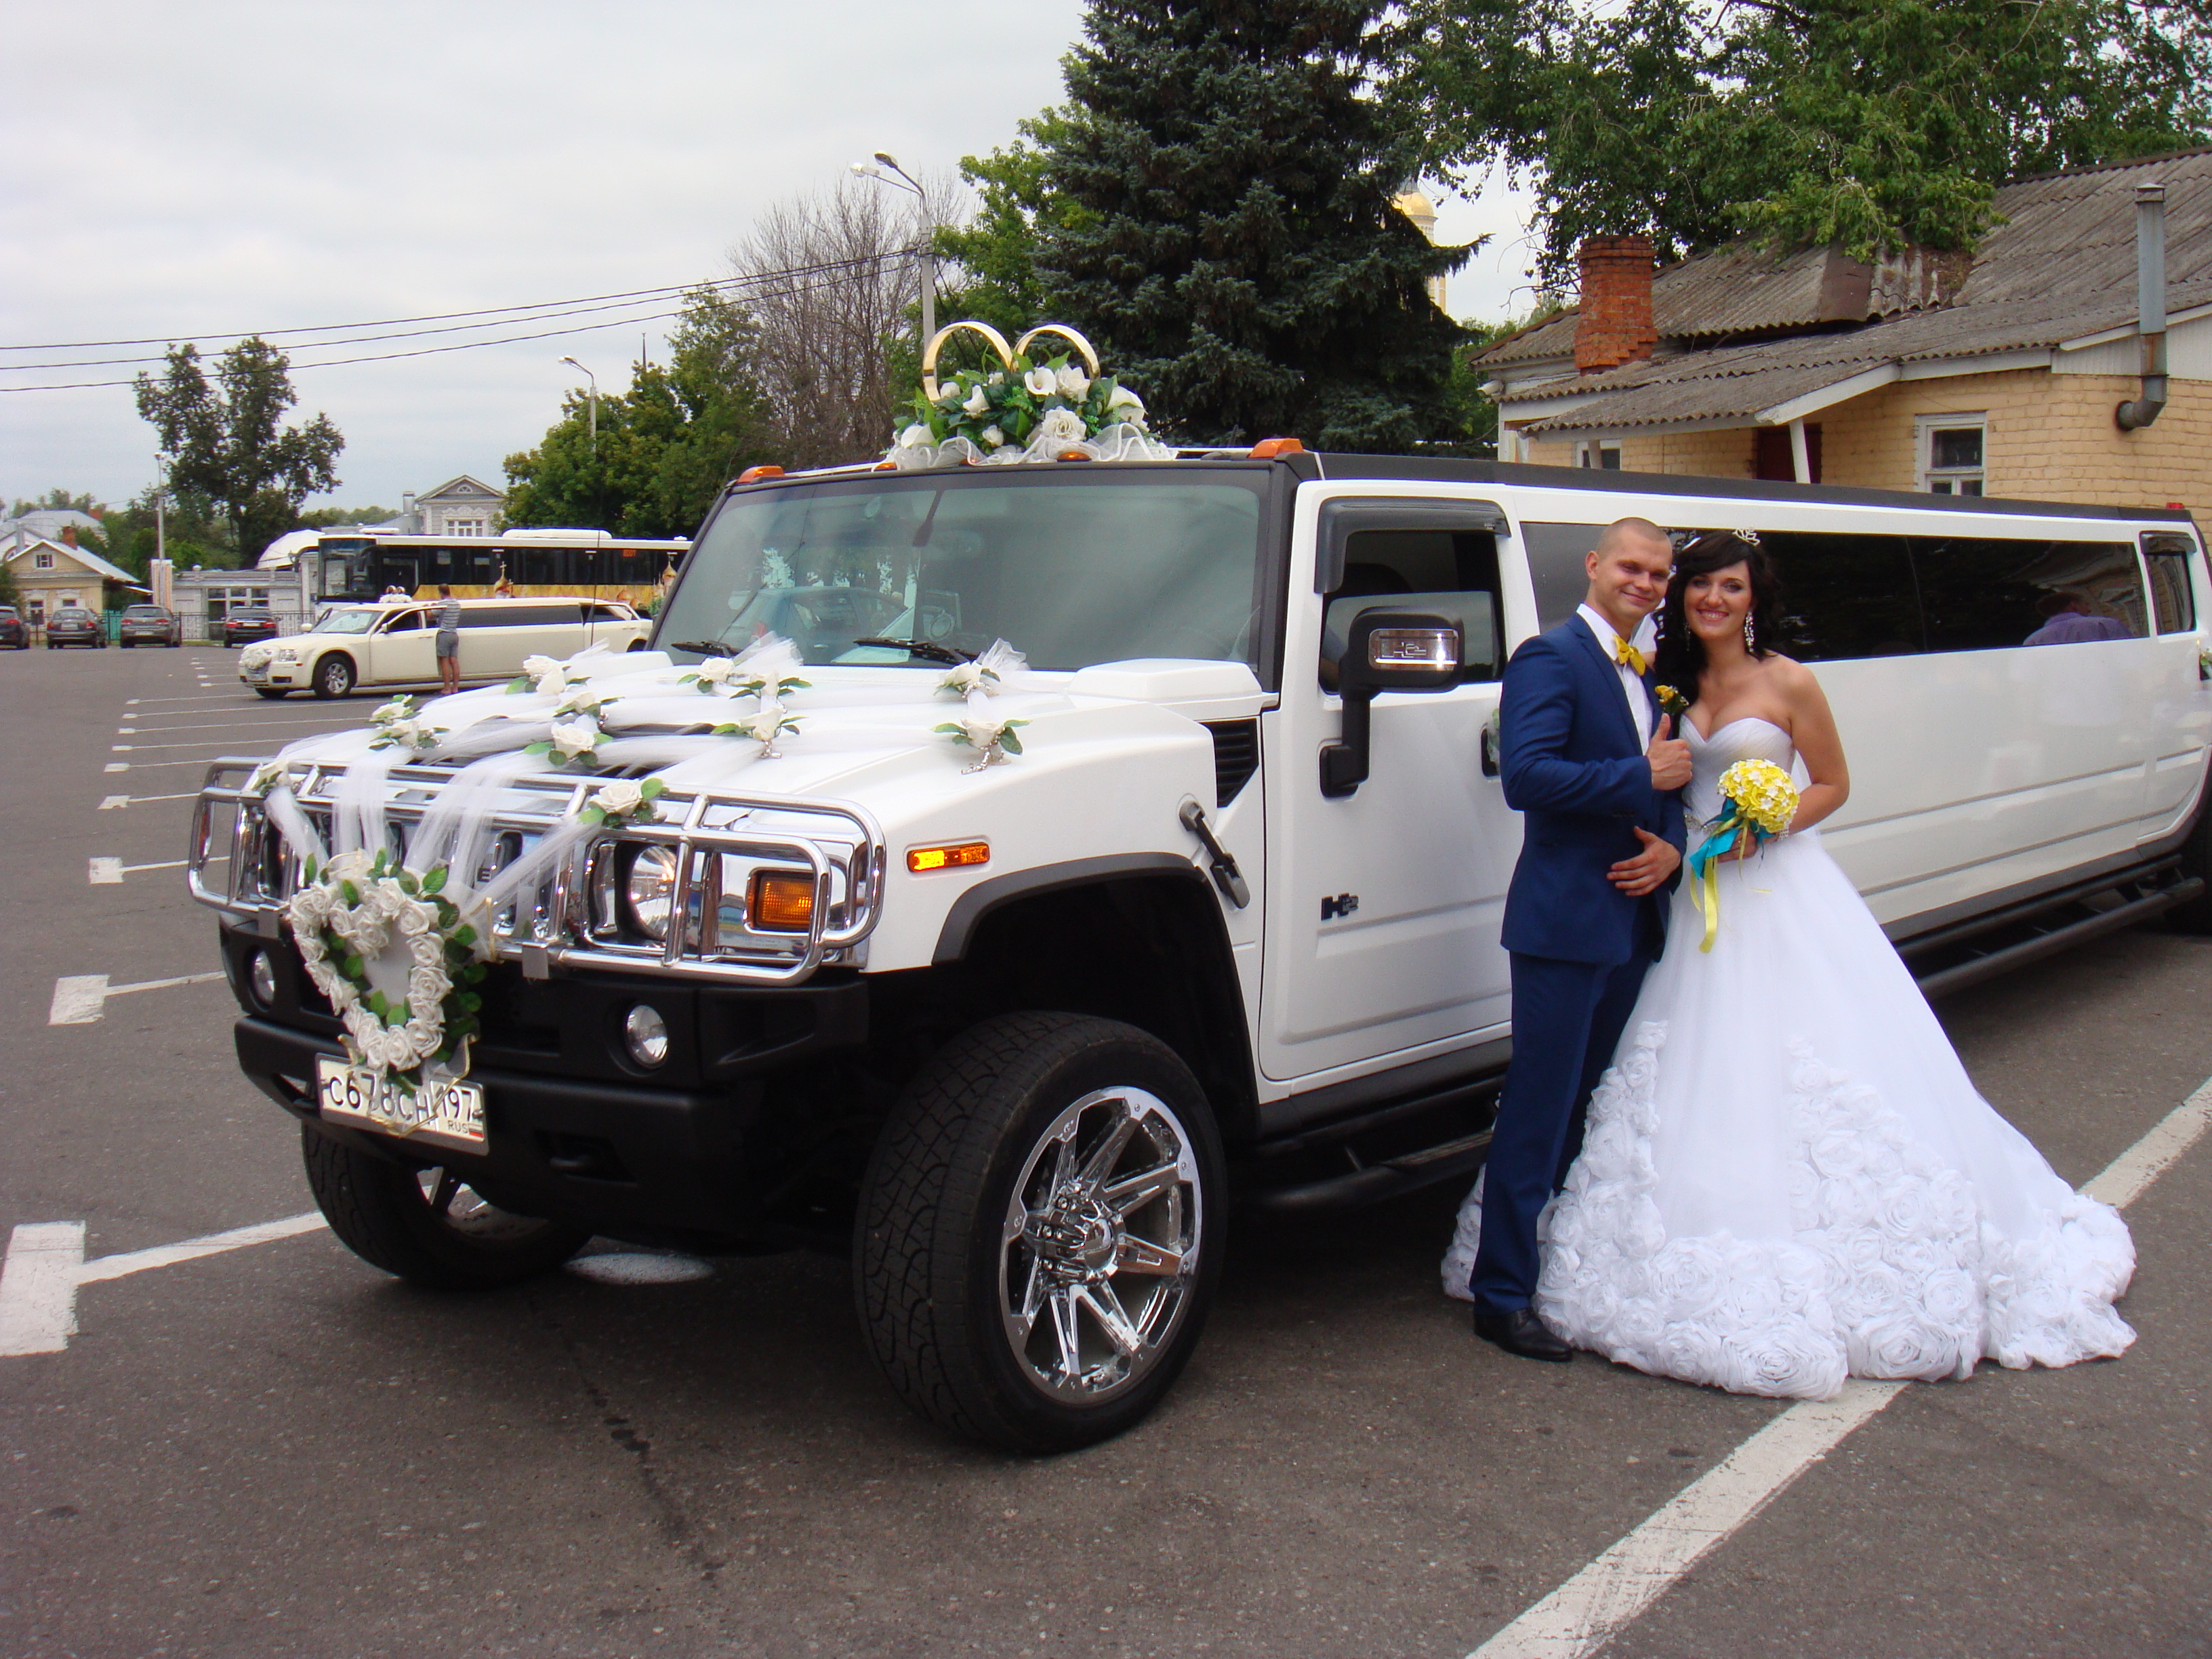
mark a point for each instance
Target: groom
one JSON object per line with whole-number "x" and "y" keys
{"x": 1587, "y": 758}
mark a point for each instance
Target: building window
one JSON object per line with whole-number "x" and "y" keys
{"x": 465, "y": 527}
{"x": 1599, "y": 453}
{"x": 1951, "y": 448}
{"x": 42, "y": 562}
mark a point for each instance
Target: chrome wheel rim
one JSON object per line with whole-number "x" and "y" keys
{"x": 462, "y": 1211}
{"x": 1100, "y": 1246}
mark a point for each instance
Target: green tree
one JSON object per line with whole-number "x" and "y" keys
{"x": 993, "y": 256}
{"x": 331, "y": 517}
{"x": 229, "y": 446}
{"x": 1871, "y": 123}
{"x": 667, "y": 448}
{"x": 1226, "y": 230}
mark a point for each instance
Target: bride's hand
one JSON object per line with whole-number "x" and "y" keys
{"x": 1644, "y": 873}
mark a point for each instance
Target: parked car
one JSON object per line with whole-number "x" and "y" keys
{"x": 1225, "y": 932}
{"x": 243, "y": 627}
{"x": 393, "y": 642}
{"x": 73, "y": 625}
{"x": 14, "y": 632}
{"x": 149, "y": 624}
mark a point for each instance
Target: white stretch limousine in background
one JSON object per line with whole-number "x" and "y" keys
{"x": 1233, "y": 904}
{"x": 393, "y": 642}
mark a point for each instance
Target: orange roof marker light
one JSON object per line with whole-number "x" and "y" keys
{"x": 755, "y": 474}
{"x": 921, "y": 860}
{"x": 1268, "y": 448}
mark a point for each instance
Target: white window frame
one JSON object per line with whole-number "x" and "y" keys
{"x": 1927, "y": 475}
{"x": 1602, "y": 453}
{"x": 42, "y": 562}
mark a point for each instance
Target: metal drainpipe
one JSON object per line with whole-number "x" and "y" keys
{"x": 2150, "y": 303}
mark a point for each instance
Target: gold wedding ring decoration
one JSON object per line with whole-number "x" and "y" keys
{"x": 1005, "y": 353}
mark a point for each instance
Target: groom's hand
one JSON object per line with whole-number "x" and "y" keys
{"x": 1669, "y": 758}
{"x": 1641, "y": 874}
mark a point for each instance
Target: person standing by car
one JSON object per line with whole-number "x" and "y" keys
{"x": 447, "y": 614}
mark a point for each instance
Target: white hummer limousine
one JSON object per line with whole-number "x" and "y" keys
{"x": 1223, "y": 935}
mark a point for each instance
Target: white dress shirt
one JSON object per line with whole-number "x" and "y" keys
{"x": 1631, "y": 687}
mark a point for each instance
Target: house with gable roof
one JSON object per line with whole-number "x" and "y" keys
{"x": 54, "y": 572}
{"x": 2004, "y": 372}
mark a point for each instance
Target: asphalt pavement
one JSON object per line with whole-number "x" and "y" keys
{"x": 277, "y": 1449}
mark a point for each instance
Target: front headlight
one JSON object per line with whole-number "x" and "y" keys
{"x": 649, "y": 890}
{"x": 288, "y": 655}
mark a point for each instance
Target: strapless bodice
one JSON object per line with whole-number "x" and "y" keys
{"x": 1748, "y": 737}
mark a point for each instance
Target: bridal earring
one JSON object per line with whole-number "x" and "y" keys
{"x": 1749, "y": 636}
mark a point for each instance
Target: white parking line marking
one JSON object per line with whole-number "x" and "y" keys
{"x": 117, "y": 766}
{"x": 109, "y": 872}
{"x": 168, "y": 1255}
{"x": 111, "y": 803}
{"x": 37, "y": 1286}
{"x": 1589, "y": 1609}
{"x": 80, "y": 999}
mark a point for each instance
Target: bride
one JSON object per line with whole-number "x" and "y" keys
{"x": 1787, "y": 1175}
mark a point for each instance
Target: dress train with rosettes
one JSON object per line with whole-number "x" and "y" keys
{"x": 1787, "y": 1177}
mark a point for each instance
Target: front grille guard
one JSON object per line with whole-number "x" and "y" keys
{"x": 560, "y": 930}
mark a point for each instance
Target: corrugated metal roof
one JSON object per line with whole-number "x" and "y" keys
{"x": 2063, "y": 266}
{"x": 2069, "y": 238}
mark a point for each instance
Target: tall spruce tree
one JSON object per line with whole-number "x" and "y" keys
{"x": 1235, "y": 249}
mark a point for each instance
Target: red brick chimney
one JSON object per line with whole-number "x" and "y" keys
{"x": 1615, "y": 325}
{"x": 69, "y": 535}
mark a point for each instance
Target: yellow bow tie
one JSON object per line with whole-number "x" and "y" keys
{"x": 1623, "y": 651}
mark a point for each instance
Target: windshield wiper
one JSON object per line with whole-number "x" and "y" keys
{"x": 926, "y": 648}
{"x": 704, "y": 647}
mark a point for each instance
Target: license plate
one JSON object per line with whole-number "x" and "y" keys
{"x": 258, "y": 672}
{"x": 442, "y": 1113}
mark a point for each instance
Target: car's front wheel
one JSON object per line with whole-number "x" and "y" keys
{"x": 428, "y": 1226}
{"x": 334, "y": 675}
{"x": 1040, "y": 1230}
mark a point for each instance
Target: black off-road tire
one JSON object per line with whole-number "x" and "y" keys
{"x": 334, "y": 675}
{"x": 379, "y": 1212}
{"x": 2196, "y": 916}
{"x": 928, "y": 1242}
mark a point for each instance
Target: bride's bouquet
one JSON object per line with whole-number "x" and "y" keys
{"x": 1758, "y": 801}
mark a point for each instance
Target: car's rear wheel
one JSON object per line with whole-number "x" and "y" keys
{"x": 334, "y": 675}
{"x": 429, "y": 1226}
{"x": 1040, "y": 1229}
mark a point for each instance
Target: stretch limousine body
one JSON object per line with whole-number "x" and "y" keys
{"x": 393, "y": 642}
{"x": 1227, "y": 922}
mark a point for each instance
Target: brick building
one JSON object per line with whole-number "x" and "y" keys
{"x": 1998, "y": 374}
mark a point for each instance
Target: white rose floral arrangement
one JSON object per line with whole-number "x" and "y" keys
{"x": 399, "y": 724}
{"x": 395, "y": 959}
{"x": 1025, "y": 407}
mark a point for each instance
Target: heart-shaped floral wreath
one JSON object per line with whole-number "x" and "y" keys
{"x": 345, "y": 919}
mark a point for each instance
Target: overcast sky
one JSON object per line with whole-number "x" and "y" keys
{"x": 185, "y": 172}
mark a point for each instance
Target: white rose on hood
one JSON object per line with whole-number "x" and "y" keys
{"x": 1061, "y": 426}
{"x": 1040, "y": 382}
{"x": 977, "y": 403}
{"x": 576, "y": 737}
{"x": 981, "y": 734}
{"x": 620, "y": 796}
{"x": 993, "y": 438}
{"x": 1074, "y": 384}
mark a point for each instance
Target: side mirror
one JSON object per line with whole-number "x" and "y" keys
{"x": 1385, "y": 651}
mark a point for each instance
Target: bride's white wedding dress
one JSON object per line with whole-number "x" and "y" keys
{"x": 1787, "y": 1175}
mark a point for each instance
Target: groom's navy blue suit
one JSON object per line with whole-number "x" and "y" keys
{"x": 1573, "y": 765}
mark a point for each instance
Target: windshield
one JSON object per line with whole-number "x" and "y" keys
{"x": 145, "y": 613}
{"x": 356, "y": 621}
{"x": 1142, "y": 563}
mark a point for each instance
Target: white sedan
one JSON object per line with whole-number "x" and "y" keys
{"x": 393, "y": 642}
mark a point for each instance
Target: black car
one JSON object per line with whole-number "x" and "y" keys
{"x": 149, "y": 624}
{"x": 72, "y": 625}
{"x": 244, "y": 627}
{"x": 14, "y": 632}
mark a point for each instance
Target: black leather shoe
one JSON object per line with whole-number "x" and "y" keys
{"x": 1520, "y": 1332}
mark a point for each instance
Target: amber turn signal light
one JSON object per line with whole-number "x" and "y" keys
{"x": 780, "y": 902}
{"x": 755, "y": 474}
{"x": 923, "y": 859}
{"x": 1267, "y": 448}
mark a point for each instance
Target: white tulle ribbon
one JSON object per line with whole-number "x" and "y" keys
{"x": 1119, "y": 442}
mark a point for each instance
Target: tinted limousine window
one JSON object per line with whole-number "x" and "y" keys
{"x": 2168, "y": 553}
{"x": 1982, "y": 594}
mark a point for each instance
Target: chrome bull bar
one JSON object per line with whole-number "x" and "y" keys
{"x": 562, "y": 931}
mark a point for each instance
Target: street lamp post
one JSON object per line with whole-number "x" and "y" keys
{"x": 884, "y": 166}
{"x": 598, "y": 480}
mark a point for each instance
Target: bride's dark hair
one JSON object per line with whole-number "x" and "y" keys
{"x": 1681, "y": 653}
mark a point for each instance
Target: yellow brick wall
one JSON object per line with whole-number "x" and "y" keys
{"x": 2050, "y": 438}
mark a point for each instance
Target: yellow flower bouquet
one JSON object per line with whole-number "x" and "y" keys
{"x": 1758, "y": 801}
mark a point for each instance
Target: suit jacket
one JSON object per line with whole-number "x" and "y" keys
{"x": 1572, "y": 766}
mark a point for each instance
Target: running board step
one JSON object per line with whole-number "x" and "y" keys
{"x": 2049, "y": 942}
{"x": 1389, "y": 1178}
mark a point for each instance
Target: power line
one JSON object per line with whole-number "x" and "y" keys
{"x": 549, "y": 307}
{"x": 512, "y": 339}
